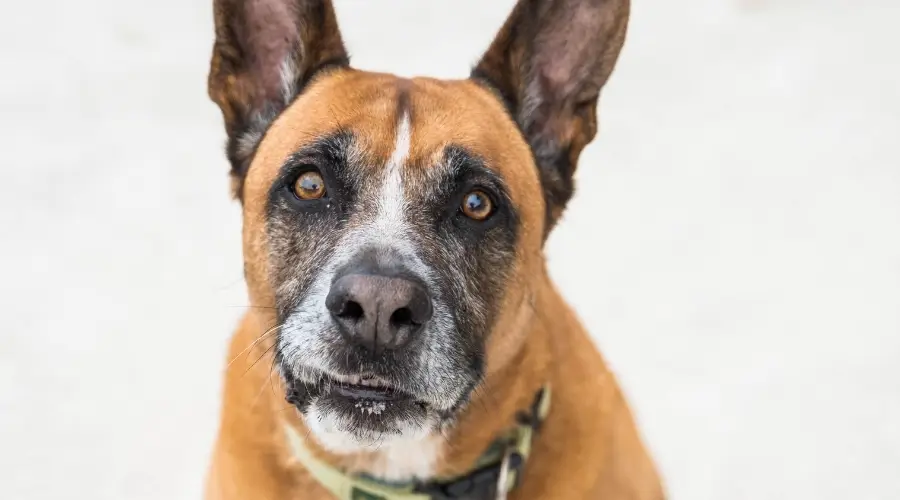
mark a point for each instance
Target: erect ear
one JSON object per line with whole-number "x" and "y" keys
{"x": 548, "y": 63}
{"x": 265, "y": 51}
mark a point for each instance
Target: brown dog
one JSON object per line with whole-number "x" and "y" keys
{"x": 393, "y": 233}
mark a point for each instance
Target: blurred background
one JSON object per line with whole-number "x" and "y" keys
{"x": 734, "y": 245}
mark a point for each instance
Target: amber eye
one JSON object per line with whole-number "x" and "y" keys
{"x": 309, "y": 186}
{"x": 477, "y": 206}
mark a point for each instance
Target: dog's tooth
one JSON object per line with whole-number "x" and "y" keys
{"x": 354, "y": 379}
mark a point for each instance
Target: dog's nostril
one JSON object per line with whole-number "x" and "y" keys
{"x": 402, "y": 317}
{"x": 351, "y": 310}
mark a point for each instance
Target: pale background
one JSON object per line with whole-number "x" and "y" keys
{"x": 734, "y": 245}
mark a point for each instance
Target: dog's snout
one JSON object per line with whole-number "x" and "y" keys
{"x": 379, "y": 312}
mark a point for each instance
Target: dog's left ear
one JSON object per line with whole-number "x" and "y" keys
{"x": 548, "y": 63}
{"x": 265, "y": 51}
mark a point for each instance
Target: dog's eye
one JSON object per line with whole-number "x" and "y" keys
{"x": 477, "y": 205}
{"x": 309, "y": 186}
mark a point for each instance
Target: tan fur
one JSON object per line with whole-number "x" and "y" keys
{"x": 589, "y": 446}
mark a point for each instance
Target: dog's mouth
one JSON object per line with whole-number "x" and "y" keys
{"x": 368, "y": 392}
{"x": 365, "y": 400}
{"x": 363, "y": 388}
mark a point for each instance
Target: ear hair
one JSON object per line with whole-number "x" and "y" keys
{"x": 265, "y": 52}
{"x": 548, "y": 64}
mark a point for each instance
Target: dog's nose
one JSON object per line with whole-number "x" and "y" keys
{"x": 379, "y": 312}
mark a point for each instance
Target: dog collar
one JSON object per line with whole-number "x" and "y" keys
{"x": 497, "y": 472}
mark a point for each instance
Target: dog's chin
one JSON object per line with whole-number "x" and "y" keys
{"x": 347, "y": 418}
{"x": 366, "y": 426}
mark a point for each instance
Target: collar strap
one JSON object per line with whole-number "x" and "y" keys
{"x": 504, "y": 460}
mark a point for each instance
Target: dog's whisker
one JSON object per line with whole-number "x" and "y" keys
{"x": 232, "y": 284}
{"x": 259, "y": 393}
{"x": 271, "y": 371}
{"x": 289, "y": 407}
{"x": 262, "y": 337}
{"x": 261, "y": 356}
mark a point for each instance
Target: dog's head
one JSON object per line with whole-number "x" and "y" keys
{"x": 395, "y": 226}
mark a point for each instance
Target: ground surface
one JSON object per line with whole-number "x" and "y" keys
{"x": 734, "y": 246}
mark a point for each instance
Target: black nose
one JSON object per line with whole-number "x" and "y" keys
{"x": 379, "y": 312}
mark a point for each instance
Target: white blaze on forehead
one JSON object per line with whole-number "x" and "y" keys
{"x": 389, "y": 220}
{"x": 401, "y": 143}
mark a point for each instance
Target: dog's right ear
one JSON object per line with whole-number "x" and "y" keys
{"x": 265, "y": 52}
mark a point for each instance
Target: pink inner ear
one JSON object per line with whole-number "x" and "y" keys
{"x": 271, "y": 34}
{"x": 564, "y": 48}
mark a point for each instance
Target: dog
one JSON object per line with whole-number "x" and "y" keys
{"x": 404, "y": 339}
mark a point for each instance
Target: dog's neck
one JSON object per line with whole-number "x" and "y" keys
{"x": 491, "y": 411}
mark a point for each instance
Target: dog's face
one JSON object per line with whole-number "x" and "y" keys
{"x": 391, "y": 226}
{"x": 395, "y": 226}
